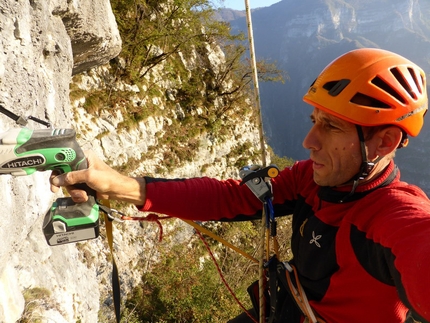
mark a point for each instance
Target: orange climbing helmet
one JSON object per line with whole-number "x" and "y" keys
{"x": 372, "y": 87}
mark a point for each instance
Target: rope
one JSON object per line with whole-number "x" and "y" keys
{"x": 115, "y": 276}
{"x": 255, "y": 80}
{"x": 219, "y": 239}
{"x": 152, "y": 217}
{"x": 297, "y": 291}
{"x": 263, "y": 153}
{"x": 262, "y": 146}
{"x": 300, "y": 295}
{"x": 222, "y": 276}
{"x": 262, "y": 271}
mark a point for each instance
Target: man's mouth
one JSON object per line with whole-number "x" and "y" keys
{"x": 317, "y": 165}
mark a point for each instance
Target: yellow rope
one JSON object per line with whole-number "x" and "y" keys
{"x": 218, "y": 238}
{"x": 115, "y": 276}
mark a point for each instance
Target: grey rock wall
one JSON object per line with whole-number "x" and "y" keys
{"x": 42, "y": 43}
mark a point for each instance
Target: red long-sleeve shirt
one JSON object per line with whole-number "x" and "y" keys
{"x": 364, "y": 260}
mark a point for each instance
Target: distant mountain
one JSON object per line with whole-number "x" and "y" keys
{"x": 228, "y": 15}
{"x": 304, "y": 36}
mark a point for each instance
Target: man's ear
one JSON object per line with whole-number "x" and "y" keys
{"x": 387, "y": 140}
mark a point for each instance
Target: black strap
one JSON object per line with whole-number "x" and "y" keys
{"x": 13, "y": 116}
{"x": 283, "y": 307}
{"x": 273, "y": 287}
{"x": 329, "y": 194}
{"x": 115, "y": 277}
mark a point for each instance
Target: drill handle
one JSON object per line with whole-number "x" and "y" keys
{"x": 84, "y": 165}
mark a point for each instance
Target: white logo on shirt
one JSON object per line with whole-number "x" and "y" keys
{"x": 315, "y": 238}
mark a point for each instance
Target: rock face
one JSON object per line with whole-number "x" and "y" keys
{"x": 42, "y": 44}
{"x": 92, "y": 30}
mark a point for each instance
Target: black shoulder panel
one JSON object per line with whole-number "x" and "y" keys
{"x": 376, "y": 259}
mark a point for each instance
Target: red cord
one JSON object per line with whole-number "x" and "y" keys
{"x": 223, "y": 278}
{"x": 152, "y": 217}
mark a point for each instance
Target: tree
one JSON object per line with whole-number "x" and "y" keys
{"x": 153, "y": 31}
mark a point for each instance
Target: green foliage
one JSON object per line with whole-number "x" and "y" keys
{"x": 152, "y": 31}
{"x": 243, "y": 153}
{"x": 281, "y": 162}
{"x": 169, "y": 35}
{"x": 185, "y": 286}
{"x": 174, "y": 38}
{"x": 95, "y": 101}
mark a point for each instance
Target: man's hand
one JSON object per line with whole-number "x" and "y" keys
{"x": 108, "y": 183}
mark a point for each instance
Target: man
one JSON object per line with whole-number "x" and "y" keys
{"x": 361, "y": 237}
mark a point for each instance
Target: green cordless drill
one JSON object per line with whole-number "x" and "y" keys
{"x": 24, "y": 151}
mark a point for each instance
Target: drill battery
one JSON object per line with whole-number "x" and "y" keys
{"x": 67, "y": 221}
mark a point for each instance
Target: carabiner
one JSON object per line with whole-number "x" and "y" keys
{"x": 118, "y": 218}
{"x": 110, "y": 213}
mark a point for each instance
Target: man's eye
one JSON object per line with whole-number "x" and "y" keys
{"x": 331, "y": 126}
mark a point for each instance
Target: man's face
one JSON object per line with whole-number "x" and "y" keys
{"x": 334, "y": 149}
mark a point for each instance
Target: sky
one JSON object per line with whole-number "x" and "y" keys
{"x": 240, "y": 4}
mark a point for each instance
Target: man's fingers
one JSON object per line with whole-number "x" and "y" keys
{"x": 54, "y": 188}
{"x": 67, "y": 180}
{"x": 57, "y": 180}
{"x": 77, "y": 195}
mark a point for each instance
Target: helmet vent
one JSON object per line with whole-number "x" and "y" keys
{"x": 417, "y": 83}
{"x": 398, "y": 75}
{"x": 335, "y": 87}
{"x": 387, "y": 88}
{"x": 363, "y": 99}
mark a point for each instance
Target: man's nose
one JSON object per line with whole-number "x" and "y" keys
{"x": 311, "y": 140}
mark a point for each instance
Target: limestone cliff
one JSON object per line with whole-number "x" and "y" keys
{"x": 43, "y": 45}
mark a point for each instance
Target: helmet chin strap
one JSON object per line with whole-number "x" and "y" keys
{"x": 365, "y": 167}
